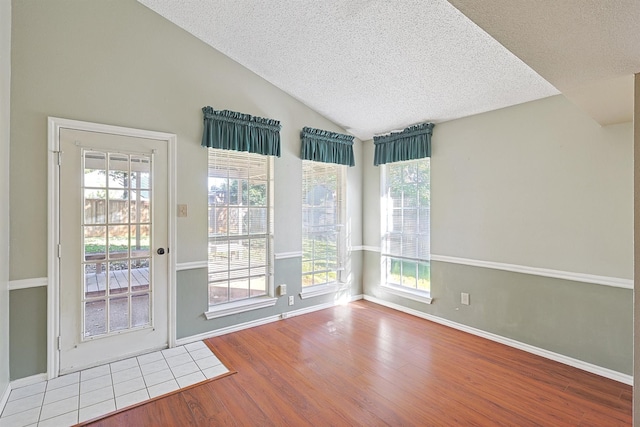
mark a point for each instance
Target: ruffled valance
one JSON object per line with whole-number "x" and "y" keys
{"x": 229, "y": 130}
{"x": 412, "y": 143}
{"x": 327, "y": 147}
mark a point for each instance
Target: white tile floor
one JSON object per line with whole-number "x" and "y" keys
{"x": 88, "y": 394}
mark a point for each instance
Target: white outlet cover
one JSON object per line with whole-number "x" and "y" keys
{"x": 464, "y": 298}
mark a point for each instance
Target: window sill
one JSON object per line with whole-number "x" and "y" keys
{"x": 239, "y": 307}
{"x": 419, "y": 296}
{"x": 316, "y": 291}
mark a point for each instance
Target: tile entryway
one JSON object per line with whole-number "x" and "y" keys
{"x": 88, "y": 394}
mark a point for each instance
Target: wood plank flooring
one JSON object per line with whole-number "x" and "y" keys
{"x": 367, "y": 365}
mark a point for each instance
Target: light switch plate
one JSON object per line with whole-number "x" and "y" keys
{"x": 464, "y": 298}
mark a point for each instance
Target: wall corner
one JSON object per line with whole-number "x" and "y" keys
{"x": 5, "y": 108}
{"x": 636, "y": 251}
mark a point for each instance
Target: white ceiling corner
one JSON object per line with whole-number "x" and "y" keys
{"x": 608, "y": 101}
{"x": 373, "y": 66}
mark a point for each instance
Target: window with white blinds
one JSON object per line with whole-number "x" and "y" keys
{"x": 240, "y": 225}
{"x": 323, "y": 191}
{"x": 405, "y": 222}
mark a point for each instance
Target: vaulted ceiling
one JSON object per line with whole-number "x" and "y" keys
{"x": 373, "y": 66}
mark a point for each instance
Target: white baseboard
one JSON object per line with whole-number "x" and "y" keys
{"x": 313, "y": 308}
{"x": 258, "y": 322}
{"x": 5, "y": 397}
{"x": 576, "y": 363}
{"x": 23, "y": 382}
{"x": 227, "y": 330}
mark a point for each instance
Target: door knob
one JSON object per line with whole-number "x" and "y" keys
{"x": 160, "y": 251}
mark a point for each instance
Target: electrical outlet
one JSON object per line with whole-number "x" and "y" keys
{"x": 291, "y": 300}
{"x": 283, "y": 289}
{"x": 182, "y": 210}
{"x": 464, "y": 298}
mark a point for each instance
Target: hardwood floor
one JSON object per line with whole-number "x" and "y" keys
{"x": 364, "y": 364}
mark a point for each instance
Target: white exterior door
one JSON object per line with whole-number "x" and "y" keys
{"x": 113, "y": 271}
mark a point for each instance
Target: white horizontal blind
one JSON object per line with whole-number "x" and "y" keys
{"x": 405, "y": 221}
{"x": 323, "y": 230}
{"x": 240, "y": 225}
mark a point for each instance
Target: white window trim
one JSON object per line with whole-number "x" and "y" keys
{"x": 316, "y": 291}
{"x": 241, "y": 306}
{"x": 415, "y": 295}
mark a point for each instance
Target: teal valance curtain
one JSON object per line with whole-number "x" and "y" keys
{"x": 412, "y": 143}
{"x": 327, "y": 147}
{"x": 230, "y": 130}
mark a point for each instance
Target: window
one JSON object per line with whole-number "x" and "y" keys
{"x": 405, "y": 225}
{"x": 322, "y": 222}
{"x": 240, "y": 226}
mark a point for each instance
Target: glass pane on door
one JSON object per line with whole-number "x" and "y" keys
{"x": 116, "y": 256}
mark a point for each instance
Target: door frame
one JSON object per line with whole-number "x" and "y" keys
{"x": 53, "y": 220}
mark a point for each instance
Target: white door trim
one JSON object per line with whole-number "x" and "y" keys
{"x": 53, "y": 205}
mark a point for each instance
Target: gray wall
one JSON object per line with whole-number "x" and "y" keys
{"x": 28, "y": 332}
{"x": 119, "y": 63}
{"x": 538, "y": 185}
{"x": 5, "y": 89}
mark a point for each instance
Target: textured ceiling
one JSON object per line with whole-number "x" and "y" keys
{"x": 588, "y": 49}
{"x": 373, "y": 66}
